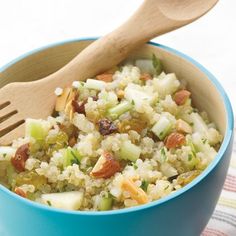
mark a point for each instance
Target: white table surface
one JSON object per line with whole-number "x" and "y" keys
{"x": 29, "y": 24}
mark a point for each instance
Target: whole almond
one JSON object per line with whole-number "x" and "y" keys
{"x": 106, "y": 77}
{"x": 181, "y": 96}
{"x": 20, "y": 192}
{"x": 175, "y": 140}
{"x": 21, "y": 155}
{"x": 61, "y": 100}
{"x": 106, "y": 166}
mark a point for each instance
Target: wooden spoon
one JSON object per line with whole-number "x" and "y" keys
{"x": 36, "y": 99}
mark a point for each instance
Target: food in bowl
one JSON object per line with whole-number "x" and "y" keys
{"x": 125, "y": 138}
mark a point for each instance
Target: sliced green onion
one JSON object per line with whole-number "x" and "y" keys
{"x": 156, "y": 62}
{"x": 144, "y": 185}
{"x": 71, "y": 156}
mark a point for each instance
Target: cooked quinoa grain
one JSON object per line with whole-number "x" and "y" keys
{"x": 124, "y": 138}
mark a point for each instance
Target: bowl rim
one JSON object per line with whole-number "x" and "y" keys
{"x": 226, "y": 141}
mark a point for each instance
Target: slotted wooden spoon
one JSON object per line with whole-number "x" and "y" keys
{"x": 36, "y": 99}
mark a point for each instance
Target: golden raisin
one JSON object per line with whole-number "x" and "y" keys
{"x": 133, "y": 124}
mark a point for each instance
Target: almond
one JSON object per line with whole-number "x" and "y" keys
{"x": 145, "y": 76}
{"x": 69, "y": 111}
{"x": 79, "y": 107}
{"x": 72, "y": 141}
{"x": 62, "y": 99}
{"x": 181, "y": 96}
{"x": 106, "y": 166}
{"x": 21, "y": 155}
{"x": 69, "y": 106}
{"x": 136, "y": 193}
{"x": 20, "y": 192}
{"x": 183, "y": 127}
{"x": 105, "y": 77}
{"x": 175, "y": 140}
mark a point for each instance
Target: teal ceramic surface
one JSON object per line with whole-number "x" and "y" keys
{"x": 183, "y": 213}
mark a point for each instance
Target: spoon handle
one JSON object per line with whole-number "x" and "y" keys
{"x": 153, "y": 18}
{"x": 111, "y": 49}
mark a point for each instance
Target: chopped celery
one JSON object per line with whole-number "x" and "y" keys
{"x": 156, "y": 62}
{"x": 37, "y": 129}
{"x": 162, "y": 127}
{"x": 129, "y": 151}
{"x": 192, "y": 161}
{"x": 205, "y": 148}
{"x": 198, "y": 123}
{"x": 163, "y": 157}
{"x": 71, "y": 156}
{"x": 198, "y": 142}
{"x": 95, "y": 84}
{"x": 56, "y": 141}
{"x": 191, "y": 145}
{"x": 105, "y": 203}
{"x": 67, "y": 200}
{"x": 119, "y": 109}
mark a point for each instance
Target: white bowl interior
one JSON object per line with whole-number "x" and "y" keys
{"x": 44, "y": 62}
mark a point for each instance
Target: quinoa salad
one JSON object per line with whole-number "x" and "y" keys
{"x": 127, "y": 137}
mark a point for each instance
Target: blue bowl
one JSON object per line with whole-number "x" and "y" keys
{"x": 183, "y": 213}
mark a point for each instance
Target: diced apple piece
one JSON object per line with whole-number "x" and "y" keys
{"x": 130, "y": 151}
{"x": 95, "y": 84}
{"x": 67, "y": 200}
{"x": 198, "y": 124}
{"x": 133, "y": 94}
{"x": 162, "y": 127}
{"x": 6, "y": 153}
{"x": 145, "y": 65}
{"x": 37, "y": 129}
{"x": 167, "y": 84}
